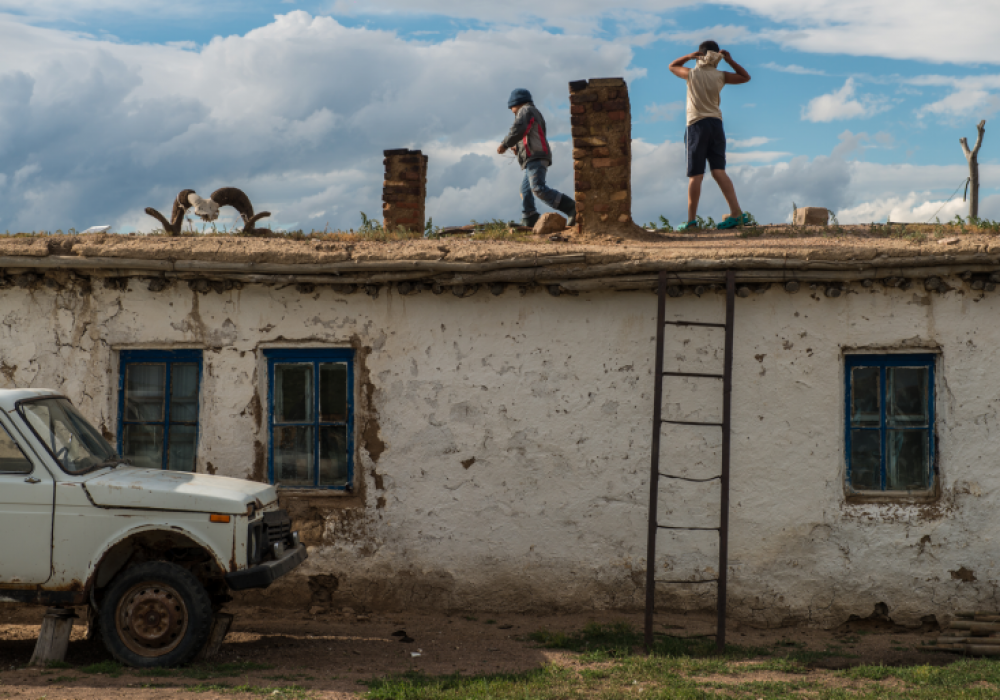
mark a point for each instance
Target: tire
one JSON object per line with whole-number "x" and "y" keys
{"x": 155, "y": 614}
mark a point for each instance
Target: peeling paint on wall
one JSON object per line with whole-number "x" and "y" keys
{"x": 552, "y": 399}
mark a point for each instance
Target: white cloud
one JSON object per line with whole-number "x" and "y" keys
{"x": 912, "y": 208}
{"x": 723, "y": 34}
{"x": 749, "y": 143}
{"x": 973, "y": 95}
{"x": 756, "y": 157}
{"x": 664, "y": 112}
{"x": 793, "y": 69}
{"x": 296, "y": 112}
{"x": 918, "y": 29}
{"x": 842, "y": 104}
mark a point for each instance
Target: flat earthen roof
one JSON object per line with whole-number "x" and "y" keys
{"x": 777, "y": 253}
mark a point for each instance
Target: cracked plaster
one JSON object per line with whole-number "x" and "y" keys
{"x": 511, "y": 464}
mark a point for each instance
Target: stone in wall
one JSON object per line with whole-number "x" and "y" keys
{"x": 404, "y": 190}
{"x": 602, "y": 155}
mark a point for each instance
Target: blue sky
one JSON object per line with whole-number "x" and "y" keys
{"x": 108, "y": 106}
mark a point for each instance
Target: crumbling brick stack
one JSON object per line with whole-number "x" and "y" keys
{"x": 602, "y": 155}
{"x": 404, "y": 190}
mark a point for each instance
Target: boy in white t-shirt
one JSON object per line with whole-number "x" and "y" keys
{"x": 705, "y": 138}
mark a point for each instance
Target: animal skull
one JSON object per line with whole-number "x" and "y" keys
{"x": 205, "y": 209}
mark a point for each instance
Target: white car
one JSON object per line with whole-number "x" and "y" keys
{"x": 153, "y": 553}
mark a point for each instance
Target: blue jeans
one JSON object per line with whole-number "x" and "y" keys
{"x": 533, "y": 185}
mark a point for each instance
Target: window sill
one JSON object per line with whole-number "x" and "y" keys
{"x": 321, "y": 498}
{"x": 308, "y": 491}
{"x": 893, "y": 497}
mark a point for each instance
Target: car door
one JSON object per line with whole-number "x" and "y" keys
{"x": 26, "y": 501}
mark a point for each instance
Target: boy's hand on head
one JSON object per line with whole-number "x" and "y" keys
{"x": 725, "y": 54}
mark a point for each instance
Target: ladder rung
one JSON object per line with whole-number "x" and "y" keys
{"x": 701, "y": 580}
{"x": 684, "y": 422}
{"x": 687, "y": 478}
{"x": 695, "y": 323}
{"x": 693, "y": 374}
{"x": 672, "y": 527}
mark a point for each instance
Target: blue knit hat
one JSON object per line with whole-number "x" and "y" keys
{"x": 520, "y": 96}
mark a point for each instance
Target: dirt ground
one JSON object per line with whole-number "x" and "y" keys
{"x": 330, "y": 656}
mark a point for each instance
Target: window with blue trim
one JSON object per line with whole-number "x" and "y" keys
{"x": 311, "y": 418}
{"x": 890, "y": 422}
{"x": 158, "y": 396}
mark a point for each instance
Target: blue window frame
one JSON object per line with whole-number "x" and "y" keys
{"x": 890, "y": 422}
{"x": 311, "y": 418}
{"x": 158, "y": 403}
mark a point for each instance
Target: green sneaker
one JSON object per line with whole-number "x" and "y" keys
{"x": 692, "y": 224}
{"x": 731, "y": 222}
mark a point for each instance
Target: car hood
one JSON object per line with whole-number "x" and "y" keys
{"x": 153, "y": 489}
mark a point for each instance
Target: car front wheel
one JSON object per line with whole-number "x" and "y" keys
{"x": 155, "y": 614}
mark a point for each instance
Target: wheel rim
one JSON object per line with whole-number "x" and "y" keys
{"x": 151, "y": 619}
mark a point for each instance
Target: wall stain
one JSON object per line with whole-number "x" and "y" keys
{"x": 259, "y": 472}
{"x": 963, "y": 574}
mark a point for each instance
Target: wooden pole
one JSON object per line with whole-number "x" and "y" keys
{"x": 973, "y": 158}
{"x": 53, "y": 639}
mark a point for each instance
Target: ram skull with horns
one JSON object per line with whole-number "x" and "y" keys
{"x": 208, "y": 209}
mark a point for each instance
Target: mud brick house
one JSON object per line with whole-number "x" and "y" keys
{"x": 460, "y": 425}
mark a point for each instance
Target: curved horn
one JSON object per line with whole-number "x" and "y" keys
{"x": 257, "y": 217}
{"x": 181, "y": 205}
{"x": 235, "y": 198}
{"x": 167, "y": 226}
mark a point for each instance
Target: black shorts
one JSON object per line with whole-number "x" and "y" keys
{"x": 705, "y": 140}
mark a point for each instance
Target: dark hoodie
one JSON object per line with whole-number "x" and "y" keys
{"x": 528, "y": 138}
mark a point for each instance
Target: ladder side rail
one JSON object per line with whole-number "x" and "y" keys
{"x": 654, "y": 468}
{"x": 727, "y": 406}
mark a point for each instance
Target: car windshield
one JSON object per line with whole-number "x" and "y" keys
{"x": 71, "y": 439}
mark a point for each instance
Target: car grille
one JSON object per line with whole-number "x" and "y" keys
{"x": 275, "y": 526}
{"x": 278, "y": 526}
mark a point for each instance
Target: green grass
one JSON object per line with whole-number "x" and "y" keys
{"x": 615, "y": 669}
{"x": 104, "y": 668}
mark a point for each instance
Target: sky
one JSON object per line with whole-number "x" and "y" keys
{"x": 110, "y": 106}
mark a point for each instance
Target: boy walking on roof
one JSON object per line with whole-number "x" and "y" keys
{"x": 528, "y": 139}
{"x": 705, "y": 138}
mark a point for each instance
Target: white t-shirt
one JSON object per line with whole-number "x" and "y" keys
{"x": 705, "y": 83}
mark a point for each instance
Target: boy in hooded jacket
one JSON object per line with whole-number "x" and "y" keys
{"x": 528, "y": 138}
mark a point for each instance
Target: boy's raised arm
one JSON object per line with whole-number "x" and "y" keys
{"x": 741, "y": 75}
{"x": 678, "y": 68}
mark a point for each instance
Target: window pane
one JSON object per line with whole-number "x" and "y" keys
{"x": 183, "y": 444}
{"x": 183, "y": 393}
{"x": 74, "y": 442}
{"x": 293, "y": 456}
{"x": 143, "y": 445}
{"x": 293, "y": 389}
{"x": 333, "y": 393}
{"x": 12, "y": 460}
{"x": 866, "y": 458}
{"x": 907, "y": 396}
{"x": 333, "y": 455}
{"x": 865, "y": 396}
{"x": 144, "y": 391}
{"x": 907, "y": 464}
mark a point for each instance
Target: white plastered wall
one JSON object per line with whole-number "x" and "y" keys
{"x": 551, "y": 398}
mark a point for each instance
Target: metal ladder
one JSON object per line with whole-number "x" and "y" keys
{"x": 655, "y": 474}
